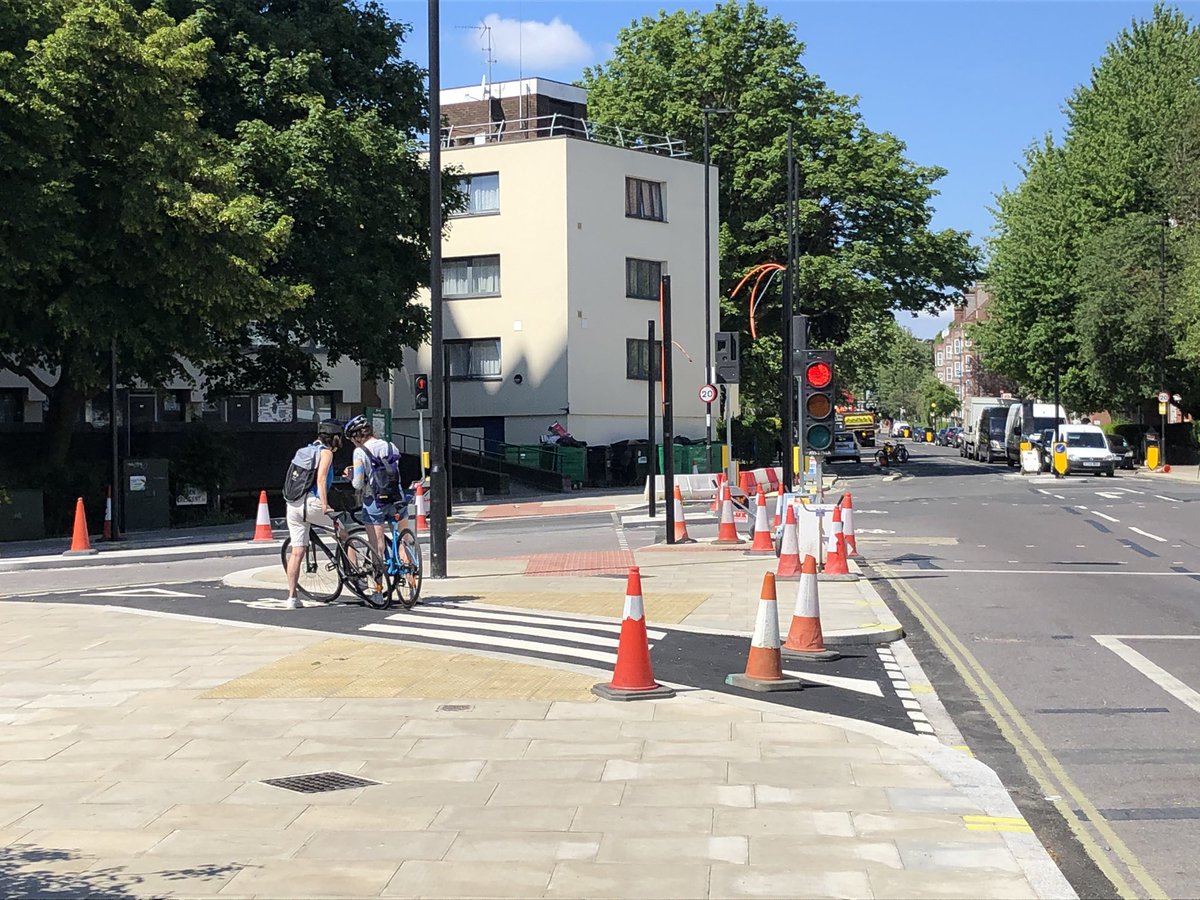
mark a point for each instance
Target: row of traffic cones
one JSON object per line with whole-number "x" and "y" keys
{"x": 633, "y": 675}
{"x": 840, "y": 545}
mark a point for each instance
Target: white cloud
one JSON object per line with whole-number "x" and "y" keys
{"x": 924, "y": 325}
{"x": 535, "y": 47}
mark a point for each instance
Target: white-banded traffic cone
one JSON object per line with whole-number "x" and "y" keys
{"x": 805, "y": 640}
{"x": 835, "y": 568}
{"x": 633, "y": 678}
{"x": 716, "y": 504}
{"x": 764, "y": 665}
{"x": 788, "y": 568}
{"x": 681, "y": 534}
{"x": 727, "y": 532}
{"x": 422, "y": 509}
{"x": 262, "y": 523}
{"x": 762, "y": 545}
{"x": 848, "y": 524}
{"x": 778, "y": 517}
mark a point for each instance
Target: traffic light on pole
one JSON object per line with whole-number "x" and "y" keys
{"x": 816, "y": 400}
{"x": 421, "y": 391}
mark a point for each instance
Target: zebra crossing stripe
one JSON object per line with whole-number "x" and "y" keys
{"x": 520, "y": 617}
{"x": 500, "y": 642}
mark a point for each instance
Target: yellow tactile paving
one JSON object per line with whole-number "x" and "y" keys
{"x": 340, "y": 667}
{"x": 996, "y": 823}
{"x": 663, "y": 609}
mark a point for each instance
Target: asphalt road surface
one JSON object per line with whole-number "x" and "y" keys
{"x": 1059, "y": 620}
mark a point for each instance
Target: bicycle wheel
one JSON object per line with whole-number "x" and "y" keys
{"x": 365, "y": 574}
{"x": 319, "y": 576}
{"x": 407, "y": 583}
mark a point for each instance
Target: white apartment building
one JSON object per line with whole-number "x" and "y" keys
{"x": 552, "y": 274}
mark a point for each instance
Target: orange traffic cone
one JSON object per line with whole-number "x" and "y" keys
{"x": 789, "y": 549}
{"x": 633, "y": 679}
{"x": 764, "y": 665}
{"x": 262, "y": 524}
{"x": 748, "y": 485}
{"x": 108, "y": 532}
{"x": 848, "y": 524}
{"x": 778, "y": 517}
{"x": 80, "y": 545}
{"x": 835, "y": 552}
{"x": 762, "y": 545}
{"x": 716, "y": 504}
{"x": 727, "y": 532}
{"x": 804, "y": 640}
{"x": 422, "y": 509}
{"x": 681, "y": 535}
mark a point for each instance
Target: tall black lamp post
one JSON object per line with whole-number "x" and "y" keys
{"x": 709, "y": 375}
{"x": 439, "y": 484}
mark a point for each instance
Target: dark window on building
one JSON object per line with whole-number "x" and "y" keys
{"x": 642, "y": 278}
{"x": 483, "y": 194}
{"x": 474, "y": 360}
{"x": 173, "y": 405}
{"x": 471, "y": 276}
{"x": 237, "y": 409}
{"x": 143, "y": 408}
{"x": 638, "y": 360}
{"x": 314, "y": 407}
{"x": 643, "y": 200}
{"x": 12, "y": 405}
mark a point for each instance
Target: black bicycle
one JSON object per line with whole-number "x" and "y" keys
{"x": 349, "y": 562}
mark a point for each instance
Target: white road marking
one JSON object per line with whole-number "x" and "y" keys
{"x": 476, "y": 612}
{"x": 860, "y": 685}
{"x": 1151, "y": 670}
{"x": 495, "y": 641}
{"x": 1103, "y": 516}
{"x": 141, "y": 592}
{"x": 1153, "y": 537}
{"x": 1168, "y": 499}
{"x": 1130, "y": 491}
{"x": 1077, "y": 506}
{"x": 1059, "y": 497}
{"x": 575, "y": 637}
{"x": 1108, "y": 495}
{"x": 1046, "y": 492}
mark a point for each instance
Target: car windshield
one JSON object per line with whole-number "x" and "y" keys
{"x": 1041, "y": 423}
{"x": 1118, "y": 442}
{"x": 1085, "y": 439}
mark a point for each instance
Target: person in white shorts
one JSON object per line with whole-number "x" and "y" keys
{"x": 314, "y": 508}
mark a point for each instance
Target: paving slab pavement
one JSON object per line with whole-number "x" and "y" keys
{"x": 134, "y": 748}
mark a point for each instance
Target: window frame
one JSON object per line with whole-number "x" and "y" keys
{"x": 637, "y": 208}
{"x": 471, "y": 261}
{"x": 470, "y": 213}
{"x": 635, "y": 373}
{"x": 468, "y": 342}
{"x": 630, "y": 263}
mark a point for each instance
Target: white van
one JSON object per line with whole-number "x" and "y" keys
{"x": 1026, "y": 422}
{"x": 1087, "y": 449}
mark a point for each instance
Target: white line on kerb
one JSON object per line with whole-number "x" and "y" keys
{"x": 1168, "y": 499}
{"x": 1103, "y": 516}
{"x": 1153, "y": 537}
{"x": 1153, "y": 671}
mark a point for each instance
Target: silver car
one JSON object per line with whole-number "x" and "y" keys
{"x": 845, "y": 446}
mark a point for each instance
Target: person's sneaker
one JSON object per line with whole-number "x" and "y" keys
{"x": 294, "y": 603}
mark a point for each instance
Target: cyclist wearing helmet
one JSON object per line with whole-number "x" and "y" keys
{"x": 375, "y": 474}
{"x": 314, "y": 507}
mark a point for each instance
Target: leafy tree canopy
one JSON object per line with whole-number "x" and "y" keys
{"x": 865, "y": 244}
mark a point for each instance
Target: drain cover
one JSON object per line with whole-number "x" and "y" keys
{"x": 319, "y": 782}
{"x": 454, "y": 707}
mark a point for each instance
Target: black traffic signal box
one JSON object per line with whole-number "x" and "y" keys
{"x": 817, "y": 400}
{"x": 421, "y": 391}
{"x": 726, "y": 359}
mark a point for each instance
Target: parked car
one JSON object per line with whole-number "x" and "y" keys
{"x": 899, "y": 427}
{"x": 940, "y": 437}
{"x": 1087, "y": 449}
{"x": 1121, "y": 449}
{"x": 845, "y": 446}
{"x": 953, "y": 436}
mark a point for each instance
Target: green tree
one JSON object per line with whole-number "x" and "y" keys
{"x": 863, "y": 225}
{"x": 900, "y": 378}
{"x": 938, "y": 399}
{"x": 129, "y": 223}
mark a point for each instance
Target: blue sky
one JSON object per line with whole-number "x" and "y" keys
{"x": 966, "y": 85}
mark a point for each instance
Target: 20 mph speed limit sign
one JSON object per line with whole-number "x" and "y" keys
{"x": 708, "y": 393}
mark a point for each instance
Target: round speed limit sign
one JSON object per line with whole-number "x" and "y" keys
{"x": 708, "y": 393}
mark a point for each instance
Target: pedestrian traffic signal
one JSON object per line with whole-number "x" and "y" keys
{"x": 816, "y": 400}
{"x": 421, "y": 391}
{"x": 726, "y": 361}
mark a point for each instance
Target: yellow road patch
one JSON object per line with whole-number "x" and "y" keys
{"x": 996, "y": 823}
{"x": 340, "y": 667}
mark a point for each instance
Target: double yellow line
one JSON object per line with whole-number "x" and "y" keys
{"x": 1047, "y": 771}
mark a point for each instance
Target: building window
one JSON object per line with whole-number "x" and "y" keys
{"x": 642, "y": 278}
{"x": 638, "y": 360}
{"x": 483, "y": 194}
{"x": 939, "y": 357}
{"x": 957, "y": 346}
{"x": 471, "y": 276}
{"x": 314, "y": 407}
{"x": 958, "y": 390}
{"x": 644, "y": 200}
{"x": 958, "y": 370}
{"x": 12, "y": 405}
{"x": 474, "y": 360}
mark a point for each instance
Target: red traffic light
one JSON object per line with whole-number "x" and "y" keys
{"x": 421, "y": 382}
{"x": 819, "y": 374}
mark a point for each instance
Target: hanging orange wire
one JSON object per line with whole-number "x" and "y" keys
{"x": 761, "y": 270}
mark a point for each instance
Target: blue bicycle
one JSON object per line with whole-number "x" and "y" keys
{"x": 401, "y": 561}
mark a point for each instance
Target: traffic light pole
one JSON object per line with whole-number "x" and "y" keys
{"x": 668, "y": 413}
{"x": 438, "y": 484}
{"x": 789, "y": 380}
{"x": 649, "y": 417}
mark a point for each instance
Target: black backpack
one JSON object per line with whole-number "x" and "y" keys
{"x": 302, "y": 472}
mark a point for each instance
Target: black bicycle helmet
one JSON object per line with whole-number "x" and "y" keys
{"x": 330, "y": 427}
{"x": 356, "y": 425}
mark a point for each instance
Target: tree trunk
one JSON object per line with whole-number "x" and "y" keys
{"x": 66, "y": 401}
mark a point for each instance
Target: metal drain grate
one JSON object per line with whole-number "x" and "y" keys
{"x": 454, "y": 707}
{"x": 319, "y": 782}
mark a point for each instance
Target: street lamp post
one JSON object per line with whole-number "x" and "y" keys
{"x": 709, "y": 375}
{"x": 439, "y": 485}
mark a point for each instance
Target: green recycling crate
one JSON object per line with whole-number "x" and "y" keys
{"x": 571, "y": 462}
